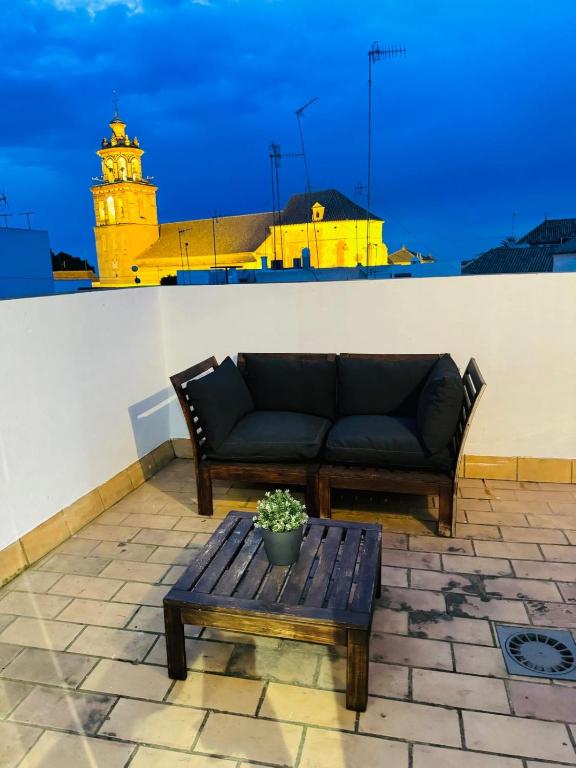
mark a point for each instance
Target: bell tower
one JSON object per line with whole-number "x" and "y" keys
{"x": 124, "y": 207}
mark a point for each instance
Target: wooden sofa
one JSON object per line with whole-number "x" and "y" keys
{"x": 320, "y": 475}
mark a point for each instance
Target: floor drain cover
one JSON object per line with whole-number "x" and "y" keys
{"x": 534, "y": 652}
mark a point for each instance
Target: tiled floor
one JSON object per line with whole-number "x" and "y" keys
{"x": 82, "y": 660}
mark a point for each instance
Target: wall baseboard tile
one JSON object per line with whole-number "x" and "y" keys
{"x": 19, "y": 555}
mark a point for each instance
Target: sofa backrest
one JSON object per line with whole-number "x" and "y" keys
{"x": 302, "y": 382}
{"x": 387, "y": 385}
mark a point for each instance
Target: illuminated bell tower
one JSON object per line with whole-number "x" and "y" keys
{"x": 124, "y": 207}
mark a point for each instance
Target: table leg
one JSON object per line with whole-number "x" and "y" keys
{"x": 175, "y": 647}
{"x": 357, "y": 669}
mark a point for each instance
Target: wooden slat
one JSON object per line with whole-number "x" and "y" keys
{"x": 349, "y": 555}
{"x": 207, "y": 553}
{"x": 250, "y": 584}
{"x": 226, "y": 553}
{"x": 272, "y": 584}
{"x": 238, "y": 567}
{"x": 299, "y": 573}
{"x": 328, "y": 551}
{"x": 365, "y": 579}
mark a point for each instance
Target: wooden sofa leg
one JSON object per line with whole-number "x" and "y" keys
{"x": 311, "y": 497}
{"x": 445, "y": 512}
{"x": 324, "y": 497}
{"x": 205, "y": 493}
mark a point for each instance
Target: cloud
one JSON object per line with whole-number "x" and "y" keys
{"x": 94, "y": 6}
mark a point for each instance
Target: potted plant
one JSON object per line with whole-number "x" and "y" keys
{"x": 281, "y": 518}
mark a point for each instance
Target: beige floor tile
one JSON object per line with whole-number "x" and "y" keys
{"x": 250, "y": 739}
{"x": 151, "y": 619}
{"x": 141, "y": 681}
{"x": 114, "y": 516}
{"x": 15, "y": 740}
{"x": 328, "y": 749}
{"x": 518, "y": 736}
{"x": 142, "y": 520}
{"x": 201, "y": 655}
{"x": 394, "y": 622}
{"x": 76, "y": 564}
{"x": 437, "y": 757}
{"x": 227, "y": 694}
{"x": 120, "y": 551}
{"x": 113, "y": 643}
{"x": 76, "y": 546}
{"x": 411, "y": 651}
{"x": 98, "y": 612}
{"x": 492, "y": 566}
{"x": 30, "y": 604}
{"x": 282, "y": 665}
{"x": 452, "y": 628}
{"x": 68, "y": 710}
{"x": 163, "y": 538}
{"x": 89, "y": 587}
{"x": 108, "y": 532}
{"x": 413, "y": 722}
{"x": 138, "y": 593}
{"x": 131, "y": 571}
{"x": 174, "y": 573}
{"x": 67, "y": 751}
{"x": 307, "y": 705}
{"x": 153, "y": 723}
{"x": 465, "y": 606}
{"x": 146, "y": 757}
{"x": 40, "y": 633}
{"x": 197, "y": 524}
{"x": 172, "y": 556}
{"x": 11, "y": 693}
{"x": 8, "y": 653}
{"x": 476, "y": 660}
{"x": 383, "y": 679}
{"x": 50, "y": 667}
{"x": 32, "y": 581}
{"x": 459, "y": 691}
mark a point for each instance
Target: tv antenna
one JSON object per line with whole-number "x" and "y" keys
{"x": 275, "y": 157}
{"x": 374, "y": 54}
{"x": 5, "y": 217}
{"x": 27, "y": 214}
{"x": 299, "y": 113}
{"x": 4, "y": 199}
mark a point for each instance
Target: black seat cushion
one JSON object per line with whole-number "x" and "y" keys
{"x": 382, "y": 441}
{"x": 274, "y": 436}
{"x": 220, "y": 399}
{"x": 292, "y": 384}
{"x": 440, "y": 405}
{"x": 386, "y": 387}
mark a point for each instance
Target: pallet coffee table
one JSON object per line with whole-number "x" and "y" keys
{"x": 326, "y": 597}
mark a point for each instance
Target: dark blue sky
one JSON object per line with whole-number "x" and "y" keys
{"x": 475, "y": 123}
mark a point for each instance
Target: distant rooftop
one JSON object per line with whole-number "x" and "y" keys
{"x": 551, "y": 232}
{"x": 337, "y": 207}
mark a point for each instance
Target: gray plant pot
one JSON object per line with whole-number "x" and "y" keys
{"x": 283, "y": 548}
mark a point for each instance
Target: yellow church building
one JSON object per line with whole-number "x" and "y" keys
{"x": 132, "y": 246}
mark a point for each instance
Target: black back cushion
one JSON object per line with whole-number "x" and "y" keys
{"x": 440, "y": 405}
{"x": 220, "y": 399}
{"x": 296, "y": 384}
{"x": 380, "y": 387}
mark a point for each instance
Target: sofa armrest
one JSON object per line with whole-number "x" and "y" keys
{"x": 440, "y": 405}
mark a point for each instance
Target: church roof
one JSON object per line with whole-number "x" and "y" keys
{"x": 337, "y": 207}
{"x": 238, "y": 236}
{"x": 551, "y": 231}
{"x": 511, "y": 260}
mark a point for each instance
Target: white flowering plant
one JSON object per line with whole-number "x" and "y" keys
{"x": 279, "y": 512}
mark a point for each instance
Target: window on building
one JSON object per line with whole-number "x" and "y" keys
{"x": 111, "y": 209}
{"x": 123, "y": 169}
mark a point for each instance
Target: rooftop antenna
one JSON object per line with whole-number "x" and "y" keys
{"x": 299, "y": 113}
{"x": 4, "y": 199}
{"x": 374, "y": 54}
{"x": 275, "y": 157}
{"x": 27, "y": 214}
{"x": 115, "y": 102}
{"x": 5, "y": 217}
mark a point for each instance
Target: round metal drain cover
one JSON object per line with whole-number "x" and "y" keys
{"x": 540, "y": 653}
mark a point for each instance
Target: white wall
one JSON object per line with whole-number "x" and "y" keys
{"x": 74, "y": 372}
{"x": 520, "y": 328}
